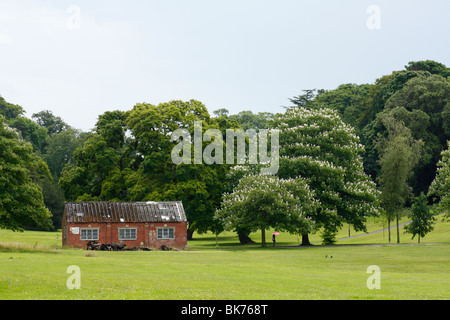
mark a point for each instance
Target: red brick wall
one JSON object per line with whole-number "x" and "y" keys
{"x": 146, "y": 234}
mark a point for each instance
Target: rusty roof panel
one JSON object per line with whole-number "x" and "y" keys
{"x": 124, "y": 212}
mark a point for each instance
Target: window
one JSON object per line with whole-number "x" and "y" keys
{"x": 166, "y": 233}
{"x": 127, "y": 233}
{"x": 89, "y": 234}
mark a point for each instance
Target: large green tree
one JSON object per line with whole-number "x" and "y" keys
{"x": 128, "y": 158}
{"x": 198, "y": 185}
{"x": 53, "y": 144}
{"x": 100, "y": 166}
{"x": 21, "y": 201}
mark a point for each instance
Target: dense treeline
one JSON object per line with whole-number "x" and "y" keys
{"x": 50, "y": 143}
{"x": 418, "y": 96}
{"x": 401, "y": 121}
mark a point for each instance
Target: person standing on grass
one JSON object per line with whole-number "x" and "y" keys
{"x": 273, "y": 239}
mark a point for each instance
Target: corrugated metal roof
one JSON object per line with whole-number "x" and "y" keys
{"x": 126, "y": 212}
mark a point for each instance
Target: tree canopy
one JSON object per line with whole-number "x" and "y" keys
{"x": 128, "y": 158}
{"x": 260, "y": 202}
{"x": 418, "y": 96}
{"x": 340, "y": 143}
{"x": 400, "y": 153}
{"x": 21, "y": 201}
{"x": 421, "y": 218}
{"x": 316, "y": 145}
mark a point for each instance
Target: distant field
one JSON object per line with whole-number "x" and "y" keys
{"x": 440, "y": 234}
{"x": 33, "y": 266}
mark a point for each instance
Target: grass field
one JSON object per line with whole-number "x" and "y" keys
{"x": 440, "y": 234}
{"x": 33, "y": 266}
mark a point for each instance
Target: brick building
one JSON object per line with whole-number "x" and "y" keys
{"x": 136, "y": 224}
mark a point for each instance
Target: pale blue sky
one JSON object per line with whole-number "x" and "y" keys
{"x": 240, "y": 55}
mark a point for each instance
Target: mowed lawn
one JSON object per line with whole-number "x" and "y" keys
{"x": 440, "y": 234}
{"x": 37, "y": 269}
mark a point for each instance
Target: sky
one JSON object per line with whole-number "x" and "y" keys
{"x": 82, "y": 58}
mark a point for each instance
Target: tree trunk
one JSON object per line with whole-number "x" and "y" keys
{"x": 305, "y": 240}
{"x": 389, "y": 230}
{"x": 263, "y": 237}
{"x": 190, "y": 233}
{"x": 245, "y": 239}
{"x": 398, "y": 231}
{"x": 418, "y": 239}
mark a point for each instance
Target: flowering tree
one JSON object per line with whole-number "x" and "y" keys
{"x": 440, "y": 187}
{"x": 260, "y": 202}
{"x": 316, "y": 145}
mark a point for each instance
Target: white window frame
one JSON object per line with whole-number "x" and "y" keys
{"x": 127, "y": 236}
{"x": 84, "y": 232}
{"x": 165, "y": 233}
